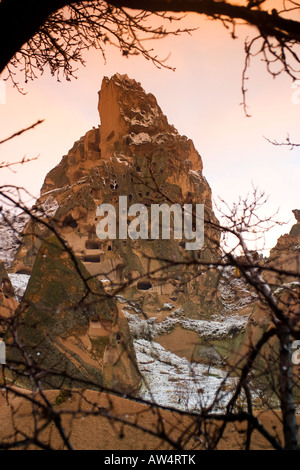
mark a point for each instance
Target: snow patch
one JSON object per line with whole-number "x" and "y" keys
{"x": 287, "y": 285}
{"x": 222, "y": 327}
{"x": 141, "y": 138}
{"x": 19, "y": 283}
{"x": 49, "y": 207}
{"x": 10, "y": 230}
{"x": 168, "y": 306}
{"x": 197, "y": 174}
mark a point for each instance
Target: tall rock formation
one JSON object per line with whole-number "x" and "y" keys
{"x": 134, "y": 153}
{"x": 71, "y": 328}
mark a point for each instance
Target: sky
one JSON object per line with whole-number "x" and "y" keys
{"x": 201, "y": 98}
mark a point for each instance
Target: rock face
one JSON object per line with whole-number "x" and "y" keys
{"x": 286, "y": 255}
{"x": 8, "y": 302}
{"x": 134, "y": 153}
{"x": 69, "y": 324}
{"x": 266, "y": 365}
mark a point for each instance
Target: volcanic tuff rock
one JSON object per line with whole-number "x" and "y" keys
{"x": 69, "y": 325}
{"x": 267, "y": 362}
{"x": 134, "y": 153}
{"x": 296, "y": 213}
{"x": 8, "y": 302}
{"x": 286, "y": 255}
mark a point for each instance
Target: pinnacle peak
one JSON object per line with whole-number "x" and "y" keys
{"x": 121, "y": 78}
{"x": 126, "y": 109}
{"x": 296, "y": 213}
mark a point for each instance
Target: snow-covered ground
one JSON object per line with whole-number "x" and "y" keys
{"x": 173, "y": 381}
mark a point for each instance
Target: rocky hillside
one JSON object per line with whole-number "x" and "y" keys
{"x": 142, "y": 293}
{"x": 69, "y": 325}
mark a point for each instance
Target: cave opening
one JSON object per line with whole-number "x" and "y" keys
{"x": 144, "y": 285}
{"x": 92, "y": 245}
{"x": 69, "y": 221}
{"x": 91, "y": 259}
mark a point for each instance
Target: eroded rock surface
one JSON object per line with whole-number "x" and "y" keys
{"x": 68, "y": 324}
{"x": 8, "y": 302}
{"x": 134, "y": 153}
{"x": 285, "y": 256}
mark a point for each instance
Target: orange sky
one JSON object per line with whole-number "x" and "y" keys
{"x": 201, "y": 99}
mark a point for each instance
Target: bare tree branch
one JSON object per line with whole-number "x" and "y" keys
{"x": 16, "y": 134}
